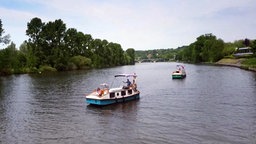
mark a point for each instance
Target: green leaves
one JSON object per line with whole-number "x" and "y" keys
{"x": 54, "y": 45}
{"x": 3, "y": 39}
{"x": 207, "y": 48}
{"x": 80, "y": 62}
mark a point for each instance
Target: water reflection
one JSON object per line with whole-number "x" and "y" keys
{"x": 211, "y": 105}
{"x": 129, "y": 107}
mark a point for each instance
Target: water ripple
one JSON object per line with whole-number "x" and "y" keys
{"x": 206, "y": 107}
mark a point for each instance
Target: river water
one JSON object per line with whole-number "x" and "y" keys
{"x": 213, "y": 104}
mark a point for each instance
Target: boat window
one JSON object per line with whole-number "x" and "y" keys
{"x": 112, "y": 95}
{"x": 117, "y": 94}
{"x": 123, "y": 93}
{"x": 129, "y": 91}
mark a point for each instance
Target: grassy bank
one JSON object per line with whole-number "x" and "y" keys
{"x": 249, "y": 64}
{"x": 244, "y": 63}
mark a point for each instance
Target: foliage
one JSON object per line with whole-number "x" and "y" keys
{"x": 3, "y": 39}
{"x": 239, "y": 43}
{"x": 251, "y": 62}
{"x": 246, "y": 42}
{"x": 9, "y": 62}
{"x": 51, "y": 46}
{"x": 254, "y": 47}
{"x": 207, "y": 48}
{"x": 130, "y": 56}
{"x": 80, "y": 62}
{"x": 229, "y": 48}
{"x": 46, "y": 68}
{"x": 157, "y": 54}
{"x": 54, "y": 45}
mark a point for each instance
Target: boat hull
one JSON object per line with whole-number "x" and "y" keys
{"x": 102, "y": 102}
{"x": 179, "y": 73}
{"x": 178, "y": 76}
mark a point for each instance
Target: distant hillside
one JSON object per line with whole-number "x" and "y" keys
{"x": 158, "y": 54}
{"x": 206, "y": 49}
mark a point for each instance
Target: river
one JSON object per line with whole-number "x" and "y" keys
{"x": 213, "y": 104}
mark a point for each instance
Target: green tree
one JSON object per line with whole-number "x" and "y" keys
{"x": 216, "y": 52}
{"x": 118, "y": 58}
{"x": 207, "y": 49}
{"x": 27, "y": 51}
{"x": 87, "y": 40}
{"x": 239, "y": 43}
{"x": 246, "y": 42}
{"x": 52, "y": 45}
{"x": 185, "y": 54}
{"x": 35, "y": 42}
{"x": 47, "y": 43}
{"x": 97, "y": 49}
{"x": 254, "y": 47}
{"x": 5, "y": 39}
{"x": 9, "y": 60}
{"x": 109, "y": 55}
{"x": 131, "y": 56}
{"x": 80, "y": 62}
{"x": 229, "y": 48}
{"x": 77, "y": 43}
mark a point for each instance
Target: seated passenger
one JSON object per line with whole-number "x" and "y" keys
{"x": 128, "y": 84}
{"x": 99, "y": 91}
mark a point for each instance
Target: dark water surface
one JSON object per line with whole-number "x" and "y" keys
{"x": 213, "y": 105}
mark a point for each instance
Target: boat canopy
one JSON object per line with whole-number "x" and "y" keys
{"x": 126, "y": 75}
{"x": 180, "y": 66}
{"x": 104, "y": 84}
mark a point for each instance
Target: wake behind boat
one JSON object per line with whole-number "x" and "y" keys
{"x": 179, "y": 73}
{"x": 106, "y": 95}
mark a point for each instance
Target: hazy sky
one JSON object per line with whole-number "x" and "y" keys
{"x": 138, "y": 24}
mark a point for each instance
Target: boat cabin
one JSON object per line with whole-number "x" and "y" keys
{"x": 121, "y": 92}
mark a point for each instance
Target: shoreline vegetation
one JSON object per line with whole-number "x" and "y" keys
{"x": 207, "y": 49}
{"x": 243, "y": 63}
{"x": 51, "y": 46}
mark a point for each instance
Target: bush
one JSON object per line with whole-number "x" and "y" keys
{"x": 22, "y": 70}
{"x": 72, "y": 66}
{"x": 60, "y": 67}
{"x": 229, "y": 56}
{"x": 34, "y": 70}
{"x": 250, "y": 62}
{"x": 46, "y": 68}
{"x": 79, "y": 62}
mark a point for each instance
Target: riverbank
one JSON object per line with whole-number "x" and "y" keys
{"x": 240, "y": 63}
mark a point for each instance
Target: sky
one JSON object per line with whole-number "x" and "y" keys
{"x": 138, "y": 24}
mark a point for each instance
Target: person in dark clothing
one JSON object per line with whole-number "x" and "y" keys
{"x": 128, "y": 83}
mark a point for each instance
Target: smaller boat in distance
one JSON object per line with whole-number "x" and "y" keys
{"x": 105, "y": 95}
{"x": 179, "y": 73}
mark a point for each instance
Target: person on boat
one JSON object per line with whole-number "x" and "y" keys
{"x": 134, "y": 85}
{"x": 99, "y": 91}
{"x": 134, "y": 78}
{"x": 128, "y": 83}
